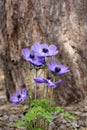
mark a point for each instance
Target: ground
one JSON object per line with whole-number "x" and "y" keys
{"x": 9, "y": 114}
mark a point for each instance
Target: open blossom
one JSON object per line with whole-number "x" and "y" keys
{"x": 48, "y": 82}
{"x": 44, "y": 50}
{"x": 32, "y": 57}
{"x": 57, "y": 69}
{"x": 19, "y": 96}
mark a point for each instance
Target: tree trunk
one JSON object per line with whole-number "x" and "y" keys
{"x": 61, "y": 22}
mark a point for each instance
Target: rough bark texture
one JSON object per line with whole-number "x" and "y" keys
{"x": 61, "y": 22}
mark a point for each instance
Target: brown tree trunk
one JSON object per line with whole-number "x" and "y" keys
{"x": 61, "y": 22}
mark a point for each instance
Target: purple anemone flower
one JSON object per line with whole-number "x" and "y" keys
{"x": 57, "y": 69}
{"x": 48, "y": 82}
{"x": 44, "y": 50}
{"x": 19, "y": 96}
{"x": 32, "y": 57}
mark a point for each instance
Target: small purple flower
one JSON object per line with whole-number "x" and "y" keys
{"x": 57, "y": 69}
{"x": 19, "y": 96}
{"x": 48, "y": 82}
{"x": 44, "y": 50}
{"x": 32, "y": 57}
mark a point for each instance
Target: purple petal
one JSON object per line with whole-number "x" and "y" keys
{"x": 39, "y": 80}
{"x": 14, "y": 99}
{"x": 59, "y": 81}
{"x": 51, "y": 84}
{"x": 63, "y": 71}
{"x": 37, "y": 63}
{"x": 18, "y": 92}
{"x": 24, "y": 91}
{"x": 46, "y": 81}
{"x": 63, "y": 68}
{"x": 53, "y": 49}
{"x": 36, "y": 47}
{"x": 52, "y": 65}
{"x": 25, "y": 52}
{"x": 44, "y": 45}
{"x": 24, "y": 98}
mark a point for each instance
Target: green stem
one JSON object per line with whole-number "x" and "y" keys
{"x": 51, "y": 97}
{"x": 52, "y": 93}
{"x": 31, "y": 84}
{"x": 44, "y": 88}
{"x": 36, "y": 87}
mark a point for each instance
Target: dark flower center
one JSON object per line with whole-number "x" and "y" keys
{"x": 31, "y": 56}
{"x": 49, "y": 77}
{"x": 19, "y": 96}
{"x": 45, "y": 50}
{"x": 57, "y": 69}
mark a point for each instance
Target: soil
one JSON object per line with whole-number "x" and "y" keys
{"x": 10, "y": 114}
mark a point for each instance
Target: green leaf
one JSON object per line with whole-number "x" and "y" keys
{"x": 70, "y": 116}
{"x": 33, "y": 113}
{"x": 19, "y": 123}
{"x": 66, "y": 114}
{"x": 47, "y": 116}
{"x": 59, "y": 110}
{"x": 44, "y": 103}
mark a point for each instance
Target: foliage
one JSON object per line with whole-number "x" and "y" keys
{"x": 40, "y": 110}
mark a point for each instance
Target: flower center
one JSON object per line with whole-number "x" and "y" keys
{"x": 49, "y": 77}
{"x": 45, "y": 50}
{"x": 19, "y": 96}
{"x": 31, "y": 56}
{"x": 57, "y": 69}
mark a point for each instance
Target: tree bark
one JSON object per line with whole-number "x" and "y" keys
{"x": 59, "y": 22}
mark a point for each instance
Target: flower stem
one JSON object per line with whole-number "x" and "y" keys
{"x": 44, "y": 88}
{"x": 52, "y": 93}
{"x": 36, "y": 86}
{"x": 30, "y": 84}
{"x": 51, "y": 96}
